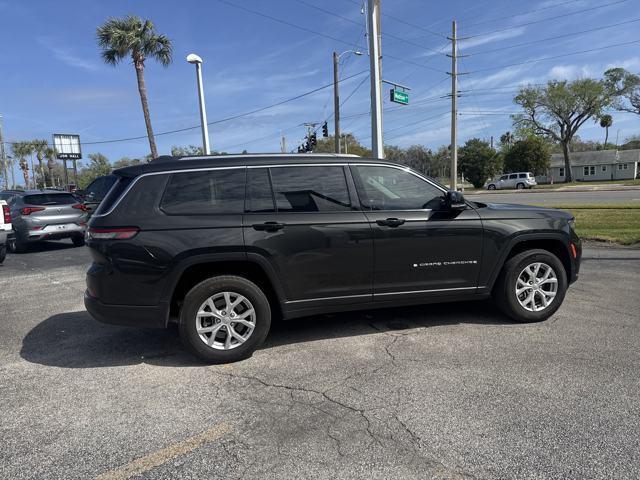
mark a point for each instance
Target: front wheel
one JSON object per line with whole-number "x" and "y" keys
{"x": 224, "y": 319}
{"x": 531, "y": 286}
{"x": 491, "y": 187}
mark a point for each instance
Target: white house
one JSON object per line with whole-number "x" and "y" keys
{"x": 595, "y": 165}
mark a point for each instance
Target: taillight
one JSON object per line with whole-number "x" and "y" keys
{"x": 574, "y": 254}
{"x": 80, "y": 206}
{"x": 6, "y": 213}
{"x": 119, "y": 233}
{"x": 30, "y": 210}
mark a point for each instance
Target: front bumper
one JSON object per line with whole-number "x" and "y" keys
{"x": 154, "y": 316}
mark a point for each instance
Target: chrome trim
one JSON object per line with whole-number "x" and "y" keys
{"x": 328, "y": 298}
{"x": 426, "y": 291}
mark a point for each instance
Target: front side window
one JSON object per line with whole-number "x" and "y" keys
{"x": 310, "y": 189}
{"x": 504, "y": 177}
{"x": 388, "y": 188}
{"x": 512, "y": 176}
{"x": 204, "y": 192}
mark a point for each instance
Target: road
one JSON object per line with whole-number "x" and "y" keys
{"x": 448, "y": 392}
{"x": 541, "y": 197}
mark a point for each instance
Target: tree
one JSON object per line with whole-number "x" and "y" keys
{"x": 420, "y": 158}
{"x": 50, "y": 155}
{"x": 478, "y": 161}
{"x": 98, "y": 166}
{"x": 349, "y": 145}
{"x": 529, "y": 155}
{"x": 626, "y": 89}
{"x": 132, "y": 36}
{"x": 186, "y": 151}
{"x": 40, "y": 149}
{"x": 605, "y": 122}
{"x": 21, "y": 150}
{"x": 126, "y": 162}
{"x": 507, "y": 139}
{"x": 560, "y": 109}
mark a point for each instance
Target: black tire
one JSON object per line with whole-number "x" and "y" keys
{"x": 3, "y": 253}
{"x": 504, "y": 294}
{"x": 78, "y": 241}
{"x": 15, "y": 246}
{"x": 520, "y": 186}
{"x": 491, "y": 187}
{"x": 199, "y": 294}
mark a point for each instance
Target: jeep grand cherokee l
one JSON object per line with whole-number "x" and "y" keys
{"x": 221, "y": 244}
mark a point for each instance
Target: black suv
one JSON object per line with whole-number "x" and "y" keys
{"x": 220, "y": 244}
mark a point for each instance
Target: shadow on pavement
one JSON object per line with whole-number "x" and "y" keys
{"x": 75, "y": 340}
{"x": 47, "y": 246}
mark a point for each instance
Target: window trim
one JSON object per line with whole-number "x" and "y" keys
{"x": 274, "y": 165}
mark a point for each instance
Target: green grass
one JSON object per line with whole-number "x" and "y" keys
{"x": 586, "y": 184}
{"x": 609, "y": 223}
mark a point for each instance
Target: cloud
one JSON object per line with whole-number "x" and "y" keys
{"x": 493, "y": 37}
{"x": 66, "y": 56}
{"x": 590, "y": 70}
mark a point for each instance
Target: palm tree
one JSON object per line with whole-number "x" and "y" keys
{"x": 50, "y": 155}
{"x": 40, "y": 148}
{"x": 605, "y": 122}
{"x": 132, "y": 36}
{"x": 21, "y": 150}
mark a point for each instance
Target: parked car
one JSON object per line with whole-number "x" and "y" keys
{"x": 5, "y": 228}
{"x": 221, "y": 244}
{"x": 519, "y": 180}
{"x": 95, "y": 192}
{"x": 45, "y": 215}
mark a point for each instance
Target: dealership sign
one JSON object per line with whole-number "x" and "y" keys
{"x": 67, "y": 146}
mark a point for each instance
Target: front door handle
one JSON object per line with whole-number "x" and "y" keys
{"x": 390, "y": 222}
{"x": 268, "y": 226}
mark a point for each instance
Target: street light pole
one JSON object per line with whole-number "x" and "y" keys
{"x": 373, "y": 22}
{"x": 197, "y": 61}
{"x": 336, "y": 97}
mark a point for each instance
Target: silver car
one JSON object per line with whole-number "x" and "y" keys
{"x": 519, "y": 180}
{"x": 45, "y": 215}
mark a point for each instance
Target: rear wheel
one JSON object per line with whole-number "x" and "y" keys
{"x": 78, "y": 241}
{"x": 531, "y": 286}
{"x": 224, "y": 319}
{"x": 15, "y": 246}
{"x": 520, "y": 186}
{"x": 3, "y": 253}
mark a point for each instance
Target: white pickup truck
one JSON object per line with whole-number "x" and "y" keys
{"x": 5, "y": 228}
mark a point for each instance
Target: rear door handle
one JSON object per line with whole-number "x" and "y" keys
{"x": 268, "y": 226}
{"x": 390, "y": 222}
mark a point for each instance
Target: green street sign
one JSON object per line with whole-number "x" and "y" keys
{"x": 399, "y": 97}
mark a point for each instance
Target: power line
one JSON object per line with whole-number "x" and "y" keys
{"x": 555, "y": 17}
{"x": 222, "y": 120}
{"x": 543, "y": 59}
{"x": 482, "y": 52}
{"x": 556, "y": 5}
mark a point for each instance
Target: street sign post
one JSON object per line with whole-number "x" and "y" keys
{"x": 67, "y": 147}
{"x": 398, "y": 96}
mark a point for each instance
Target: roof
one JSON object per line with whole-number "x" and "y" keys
{"x": 598, "y": 157}
{"x": 165, "y": 163}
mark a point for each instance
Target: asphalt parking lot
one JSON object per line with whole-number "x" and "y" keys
{"x": 449, "y": 391}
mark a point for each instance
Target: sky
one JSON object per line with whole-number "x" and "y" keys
{"x": 52, "y": 78}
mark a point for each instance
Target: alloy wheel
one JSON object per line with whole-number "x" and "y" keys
{"x": 225, "y": 320}
{"x": 536, "y": 287}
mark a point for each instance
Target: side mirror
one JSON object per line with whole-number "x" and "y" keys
{"x": 454, "y": 201}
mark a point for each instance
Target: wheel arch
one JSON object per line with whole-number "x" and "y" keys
{"x": 553, "y": 243}
{"x": 198, "y": 269}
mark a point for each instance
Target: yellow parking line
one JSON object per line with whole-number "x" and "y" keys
{"x": 157, "y": 458}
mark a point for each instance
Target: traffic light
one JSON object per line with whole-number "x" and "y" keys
{"x": 313, "y": 140}
{"x": 325, "y": 130}
{"x": 300, "y": 149}
{"x": 306, "y": 147}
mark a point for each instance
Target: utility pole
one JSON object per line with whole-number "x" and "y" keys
{"x": 454, "y": 108}
{"x": 373, "y": 23}
{"x": 283, "y": 143}
{"x": 336, "y": 104}
{"x": 3, "y": 158}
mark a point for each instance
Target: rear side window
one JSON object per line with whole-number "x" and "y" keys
{"x": 205, "y": 192}
{"x": 119, "y": 186}
{"x": 512, "y": 176}
{"x": 50, "y": 199}
{"x": 259, "y": 192}
{"x": 310, "y": 189}
{"x": 522, "y": 175}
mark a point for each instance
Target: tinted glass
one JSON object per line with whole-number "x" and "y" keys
{"x": 513, "y": 175}
{"x": 387, "y": 188}
{"x": 310, "y": 189}
{"x": 100, "y": 186}
{"x": 504, "y": 177}
{"x": 522, "y": 175}
{"x": 202, "y": 193}
{"x": 113, "y": 195}
{"x": 50, "y": 199}
{"x": 259, "y": 193}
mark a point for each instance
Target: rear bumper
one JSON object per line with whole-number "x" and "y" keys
{"x": 154, "y": 316}
{"x": 52, "y": 232}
